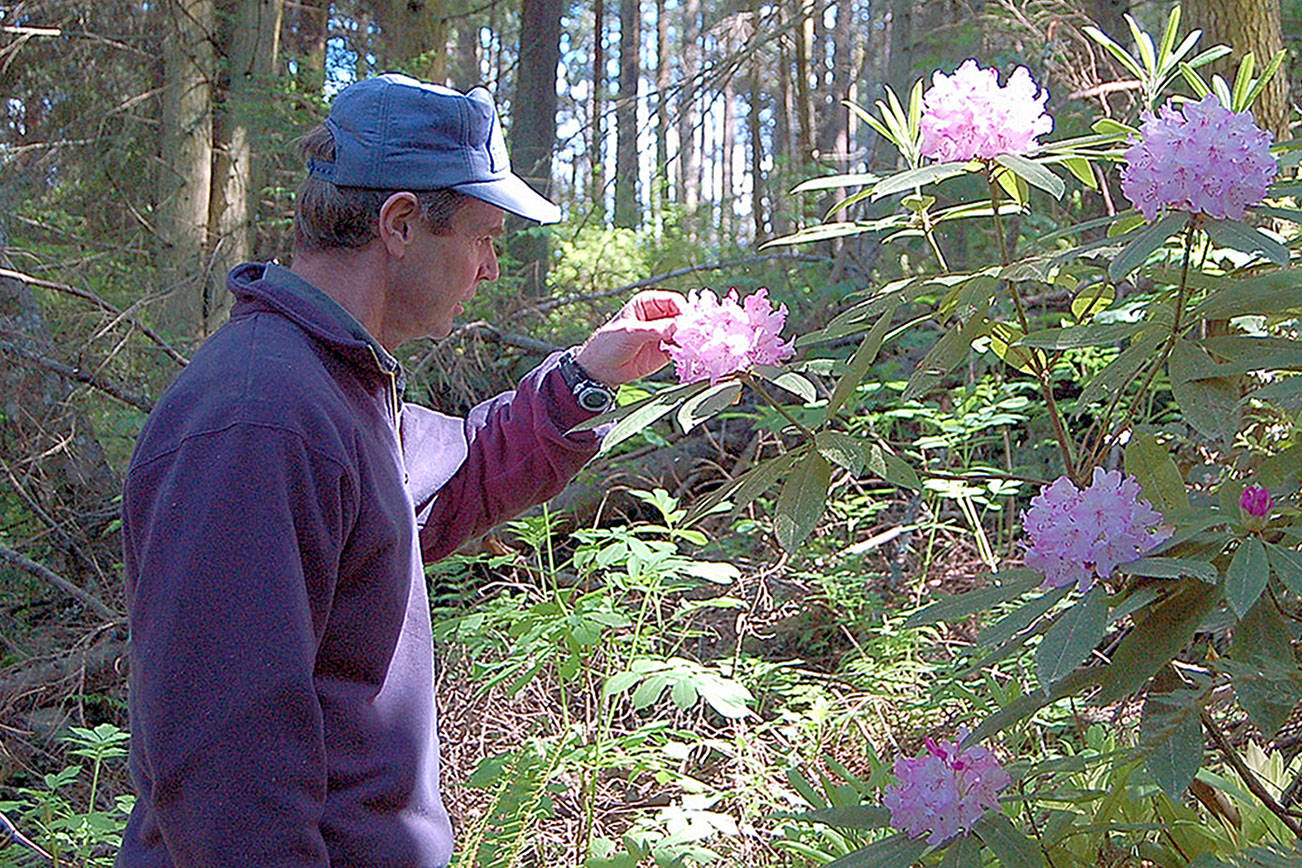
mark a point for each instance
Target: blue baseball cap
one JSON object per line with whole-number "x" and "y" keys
{"x": 393, "y": 132}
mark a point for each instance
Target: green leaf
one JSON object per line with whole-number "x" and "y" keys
{"x": 790, "y": 381}
{"x": 1287, "y": 564}
{"x": 832, "y": 182}
{"x": 1160, "y": 632}
{"x": 1091, "y": 335}
{"x": 1245, "y": 238}
{"x": 1033, "y": 173}
{"x": 1267, "y": 691}
{"x": 911, "y": 179}
{"x": 1010, "y": 846}
{"x": 1160, "y": 479}
{"x": 700, "y": 407}
{"x": 863, "y": 817}
{"x": 800, "y": 505}
{"x": 1021, "y": 618}
{"x": 1137, "y": 252}
{"x": 962, "y": 852}
{"x": 632, "y": 418}
{"x": 841, "y": 449}
{"x": 1171, "y": 568}
{"x": 745, "y": 487}
{"x": 944, "y": 356}
{"x": 1246, "y": 576}
{"x": 1071, "y": 639}
{"x": 1120, "y": 370}
{"x": 1080, "y": 167}
{"x": 1171, "y": 739}
{"x": 1209, "y": 404}
{"x": 898, "y": 472}
{"x": 1091, "y": 300}
{"x": 1286, "y": 393}
{"x": 860, "y": 362}
{"x": 1004, "y": 587}
{"x": 896, "y": 851}
{"x": 1006, "y": 343}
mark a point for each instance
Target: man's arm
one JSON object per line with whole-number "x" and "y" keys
{"x": 518, "y": 450}
{"x": 230, "y": 574}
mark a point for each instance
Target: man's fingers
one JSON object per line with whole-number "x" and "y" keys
{"x": 657, "y": 303}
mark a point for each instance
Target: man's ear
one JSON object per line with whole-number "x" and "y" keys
{"x": 398, "y": 216}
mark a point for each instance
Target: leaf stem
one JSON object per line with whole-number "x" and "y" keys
{"x": 754, "y": 383}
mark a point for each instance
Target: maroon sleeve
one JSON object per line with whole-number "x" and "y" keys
{"x": 518, "y": 455}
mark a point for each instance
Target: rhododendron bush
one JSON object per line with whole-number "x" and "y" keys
{"x": 1158, "y": 564}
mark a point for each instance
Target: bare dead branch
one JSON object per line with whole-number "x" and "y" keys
{"x": 78, "y": 375}
{"x": 50, "y": 577}
{"x": 100, "y": 303}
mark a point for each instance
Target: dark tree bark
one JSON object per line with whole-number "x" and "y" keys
{"x": 661, "y": 174}
{"x": 627, "y": 210}
{"x": 597, "y": 152}
{"x": 1247, "y": 25}
{"x": 414, "y": 37}
{"x": 533, "y": 129}
{"x": 689, "y": 156}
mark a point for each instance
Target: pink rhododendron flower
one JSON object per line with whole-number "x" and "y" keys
{"x": 1077, "y": 535}
{"x": 716, "y": 337}
{"x": 967, "y": 114}
{"x": 1202, "y": 158}
{"x": 944, "y": 791}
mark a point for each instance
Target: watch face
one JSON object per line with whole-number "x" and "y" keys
{"x": 594, "y": 399}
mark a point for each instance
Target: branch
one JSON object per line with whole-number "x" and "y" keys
{"x": 78, "y": 375}
{"x": 52, "y": 578}
{"x": 99, "y": 303}
{"x": 489, "y": 332}
{"x": 1250, "y": 779}
{"x": 551, "y": 304}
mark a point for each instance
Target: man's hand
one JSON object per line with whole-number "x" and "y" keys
{"x": 628, "y": 347}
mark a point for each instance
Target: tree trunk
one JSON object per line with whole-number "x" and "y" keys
{"x": 1247, "y": 25}
{"x": 661, "y": 174}
{"x": 755, "y": 125}
{"x": 466, "y": 72}
{"x": 186, "y": 150}
{"x": 597, "y": 154}
{"x": 1110, "y": 16}
{"x": 251, "y": 34}
{"x": 727, "y": 144}
{"x": 307, "y": 28}
{"x": 414, "y": 38}
{"x": 627, "y": 210}
{"x": 533, "y": 128}
{"x": 689, "y": 158}
{"x": 804, "y": 34}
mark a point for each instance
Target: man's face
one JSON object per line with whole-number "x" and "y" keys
{"x": 442, "y": 271}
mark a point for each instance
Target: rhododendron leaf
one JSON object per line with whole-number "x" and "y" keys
{"x": 1021, "y": 618}
{"x": 944, "y": 356}
{"x": 833, "y": 182}
{"x": 1267, "y": 690}
{"x": 1093, "y": 299}
{"x": 1150, "y": 463}
{"x": 1137, "y": 251}
{"x": 1108, "y": 126}
{"x": 1259, "y": 84}
{"x": 1287, "y": 564}
{"x": 847, "y": 816}
{"x": 1035, "y": 174}
{"x": 1010, "y": 846}
{"x": 911, "y": 179}
{"x": 1116, "y": 51}
{"x": 1241, "y": 236}
{"x": 860, "y": 362}
{"x": 1004, "y": 343}
{"x": 1171, "y": 568}
{"x": 1014, "y": 186}
{"x": 1246, "y": 576}
{"x": 801, "y": 503}
{"x": 1080, "y": 167}
{"x": 746, "y": 487}
{"x": 706, "y": 404}
{"x": 1089, "y": 335}
{"x": 1194, "y": 80}
{"x": 842, "y": 449}
{"x": 899, "y": 472}
{"x": 1006, "y": 586}
{"x": 786, "y": 380}
{"x": 1171, "y": 739}
{"x": 891, "y": 852}
{"x": 1209, "y": 404}
{"x": 1120, "y": 370}
{"x": 962, "y": 852}
{"x": 1125, "y": 223}
{"x": 1072, "y": 637}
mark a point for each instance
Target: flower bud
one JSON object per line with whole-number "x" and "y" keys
{"x": 1254, "y": 507}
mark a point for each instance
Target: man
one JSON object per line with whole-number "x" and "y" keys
{"x": 282, "y": 499}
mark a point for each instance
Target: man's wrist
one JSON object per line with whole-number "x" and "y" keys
{"x": 590, "y": 393}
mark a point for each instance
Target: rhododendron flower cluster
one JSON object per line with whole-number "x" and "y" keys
{"x": 716, "y": 337}
{"x": 1077, "y": 535}
{"x": 944, "y": 791}
{"x": 1202, "y": 158}
{"x": 968, "y": 115}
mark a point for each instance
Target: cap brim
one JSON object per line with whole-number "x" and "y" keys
{"x": 512, "y": 194}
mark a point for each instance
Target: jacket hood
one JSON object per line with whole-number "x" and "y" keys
{"x": 271, "y": 287}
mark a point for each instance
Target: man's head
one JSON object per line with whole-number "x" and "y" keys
{"x": 394, "y": 133}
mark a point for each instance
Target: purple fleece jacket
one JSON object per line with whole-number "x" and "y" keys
{"x": 276, "y": 524}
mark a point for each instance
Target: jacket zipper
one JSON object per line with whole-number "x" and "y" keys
{"x": 395, "y": 407}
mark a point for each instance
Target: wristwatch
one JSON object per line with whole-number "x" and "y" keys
{"x": 592, "y": 395}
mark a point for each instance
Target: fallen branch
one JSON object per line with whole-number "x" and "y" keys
{"x": 100, "y": 303}
{"x": 78, "y": 375}
{"x": 52, "y": 578}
